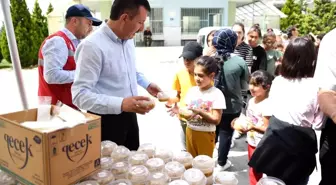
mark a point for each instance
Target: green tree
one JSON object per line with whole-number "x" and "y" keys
{"x": 22, "y": 27}
{"x": 324, "y": 11}
{"x": 39, "y": 22}
{"x": 50, "y": 9}
{"x": 1, "y": 30}
{"x": 309, "y": 23}
{"x": 294, "y": 14}
{"x": 4, "y": 45}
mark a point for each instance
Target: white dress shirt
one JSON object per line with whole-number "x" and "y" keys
{"x": 106, "y": 72}
{"x": 55, "y": 55}
{"x": 325, "y": 72}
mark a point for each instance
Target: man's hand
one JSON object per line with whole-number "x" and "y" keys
{"x": 153, "y": 89}
{"x": 133, "y": 104}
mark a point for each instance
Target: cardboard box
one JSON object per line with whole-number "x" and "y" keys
{"x": 61, "y": 157}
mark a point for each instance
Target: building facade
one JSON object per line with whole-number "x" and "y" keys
{"x": 172, "y": 22}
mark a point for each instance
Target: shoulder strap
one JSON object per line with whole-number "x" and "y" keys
{"x": 67, "y": 40}
{"x": 221, "y": 84}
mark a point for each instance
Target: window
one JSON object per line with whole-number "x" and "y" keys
{"x": 193, "y": 19}
{"x": 156, "y": 20}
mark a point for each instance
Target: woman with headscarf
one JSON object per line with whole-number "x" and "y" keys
{"x": 232, "y": 79}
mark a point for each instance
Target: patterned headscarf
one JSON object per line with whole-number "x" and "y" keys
{"x": 225, "y": 41}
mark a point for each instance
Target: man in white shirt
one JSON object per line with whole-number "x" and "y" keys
{"x": 325, "y": 74}
{"x": 56, "y": 63}
{"x": 106, "y": 78}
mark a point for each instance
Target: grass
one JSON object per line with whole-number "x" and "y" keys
{"x": 5, "y": 64}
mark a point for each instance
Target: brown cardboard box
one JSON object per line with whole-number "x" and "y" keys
{"x": 61, "y": 157}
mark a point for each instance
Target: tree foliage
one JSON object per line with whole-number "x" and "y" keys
{"x": 29, "y": 29}
{"x": 293, "y": 11}
{"x": 50, "y": 9}
{"x": 22, "y": 27}
{"x": 320, "y": 19}
{"x": 39, "y": 22}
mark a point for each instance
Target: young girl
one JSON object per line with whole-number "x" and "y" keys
{"x": 273, "y": 55}
{"x": 210, "y": 50}
{"x": 257, "y": 115}
{"x": 259, "y": 54}
{"x": 290, "y": 135}
{"x": 242, "y": 49}
{"x": 206, "y": 103}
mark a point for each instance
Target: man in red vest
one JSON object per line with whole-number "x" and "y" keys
{"x": 56, "y": 64}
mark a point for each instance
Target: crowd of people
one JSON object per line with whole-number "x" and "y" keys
{"x": 283, "y": 93}
{"x": 288, "y": 83}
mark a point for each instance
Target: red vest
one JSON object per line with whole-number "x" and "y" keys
{"x": 58, "y": 92}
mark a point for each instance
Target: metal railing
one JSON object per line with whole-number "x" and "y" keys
{"x": 193, "y": 19}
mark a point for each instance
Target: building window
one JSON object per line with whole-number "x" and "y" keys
{"x": 155, "y": 20}
{"x": 193, "y": 19}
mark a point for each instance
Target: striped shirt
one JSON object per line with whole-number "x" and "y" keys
{"x": 245, "y": 51}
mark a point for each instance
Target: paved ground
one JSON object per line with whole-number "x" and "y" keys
{"x": 157, "y": 127}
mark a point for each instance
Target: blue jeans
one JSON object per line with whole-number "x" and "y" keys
{"x": 225, "y": 132}
{"x": 225, "y": 137}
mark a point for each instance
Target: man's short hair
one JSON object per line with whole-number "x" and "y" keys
{"x": 290, "y": 29}
{"x": 131, "y": 7}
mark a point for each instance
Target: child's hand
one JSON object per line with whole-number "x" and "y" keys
{"x": 196, "y": 117}
{"x": 196, "y": 111}
{"x": 240, "y": 126}
{"x": 173, "y": 111}
{"x": 250, "y": 126}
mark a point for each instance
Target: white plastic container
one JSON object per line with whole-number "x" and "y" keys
{"x": 163, "y": 96}
{"x": 158, "y": 178}
{"x": 155, "y": 165}
{"x": 194, "y": 177}
{"x": 226, "y": 178}
{"x": 185, "y": 113}
{"x": 270, "y": 181}
{"x": 148, "y": 149}
{"x": 138, "y": 175}
{"x": 121, "y": 182}
{"x": 206, "y": 164}
{"x": 120, "y": 169}
{"x": 103, "y": 177}
{"x": 174, "y": 170}
{"x": 184, "y": 158}
{"x": 138, "y": 158}
{"x": 164, "y": 154}
{"x": 106, "y": 163}
{"x": 6, "y": 179}
{"x": 90, "y": 182}
{"x": 147, "y": 104}
{"x": 107, "y": 147}
{"x": 179, "y": 182}
{"x": 121, "y": 153}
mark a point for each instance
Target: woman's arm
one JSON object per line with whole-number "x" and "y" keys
{"x": 327, "y": 101}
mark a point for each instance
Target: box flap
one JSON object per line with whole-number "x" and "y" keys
{"x": 21, "y": 116}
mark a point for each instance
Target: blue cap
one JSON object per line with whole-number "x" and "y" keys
{"x": 79, "y": 10}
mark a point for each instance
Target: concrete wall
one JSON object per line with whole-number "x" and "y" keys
{"x": 172, "y": 16}
{"x": 231, "y": 13}
{"x": 172, "y": 35}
